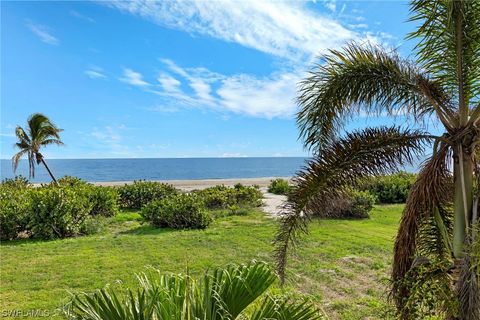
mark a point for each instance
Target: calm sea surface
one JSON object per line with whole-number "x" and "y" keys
{"x": 159, "y": 169}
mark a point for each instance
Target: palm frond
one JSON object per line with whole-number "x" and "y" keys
{"x": 370, "y": 152}
{"x": 42, "y": 128}
{"x": 468, "y": 288}
{"x": 22, "y": 136}
{"x": 281, "y": 308}
{"x": 449, "y": 44}
{"x": 364, "y": 79}
{"x": 16, "y": 158}
{"x": 431, "y": 193}
{"x": 222, "y": 294}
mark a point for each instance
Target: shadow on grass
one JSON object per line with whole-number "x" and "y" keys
{"x": 146, "y": 230}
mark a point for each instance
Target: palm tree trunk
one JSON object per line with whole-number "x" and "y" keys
{"x": 463, "y": 198}
{"x": 50, "y": 172}
{"x": 463, "y": 201}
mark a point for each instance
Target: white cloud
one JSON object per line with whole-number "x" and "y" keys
{"x": 168, "y": 83}
{"x": 266, "y": 97}
{"x": 133, "y": 78}
{"x": 331, "y": 5}
{"x": 43, "y": 33}
{"x": 233, "y": 155}
{"x": 7, "y": 135}
{"x": 286, "y": 29}
{"x": 78, "y": 15}
{"x": 261, "y": 97}
{"x": 95, "y": 73}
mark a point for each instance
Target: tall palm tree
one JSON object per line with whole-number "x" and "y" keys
{"x": 40, "y": 132}
{"x": 442, "y": 85}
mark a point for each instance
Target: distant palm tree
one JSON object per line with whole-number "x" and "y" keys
{"x": 39, "y": 133}
{"x": 443, "y": 84}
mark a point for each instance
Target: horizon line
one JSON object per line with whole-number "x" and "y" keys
{"x": 241, "y": 157}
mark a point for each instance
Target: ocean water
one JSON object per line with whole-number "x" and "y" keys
{"x": 159, "y": 169}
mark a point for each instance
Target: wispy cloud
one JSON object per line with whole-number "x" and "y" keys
{"x": 133, "y": 78}
{"x": 286, "y": 29}
{"x": 266, "y": 97}
{"x": 43, "y": 32}
{"x": 95, "y": 72}
{"x": 81, "y": 16}
{"x": 7, "y": 135}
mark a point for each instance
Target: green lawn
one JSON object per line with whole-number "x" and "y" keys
{"x": 342, "y": 264}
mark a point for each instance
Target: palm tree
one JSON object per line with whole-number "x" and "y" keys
{"x": 235, "y": 292}
{"x": 40, "y": 132}
{"x": 443, "y": 85}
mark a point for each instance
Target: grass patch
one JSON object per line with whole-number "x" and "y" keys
{"x": 342, "y": 264}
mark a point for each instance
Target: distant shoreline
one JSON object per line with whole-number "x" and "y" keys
{"x": 201, "y": 183}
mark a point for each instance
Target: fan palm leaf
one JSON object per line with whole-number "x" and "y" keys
{"x": 223, "y": 293}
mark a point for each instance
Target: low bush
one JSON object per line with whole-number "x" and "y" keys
{"x": 17, "y": 182}
{"x": 353, "y": 205}
{"x": 222, "y": 197}
{"x": 58, "y": 212}
{"x": 141, "y": 193}
{"x": 390, "y": 189}
{"x": 15, "y": 210}
{"x": 71, "y": 181}
{"x": 178, "y": 211}
{"x": 248, "y": 195}
{"x": 104, "y": 200}
{"x": 361, "y": 203}
{"x": 279, "y": 186}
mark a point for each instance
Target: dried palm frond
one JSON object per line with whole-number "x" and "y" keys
{"x": 430, "y": 196}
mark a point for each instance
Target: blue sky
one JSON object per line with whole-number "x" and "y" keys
{"x": 175, "y": 79}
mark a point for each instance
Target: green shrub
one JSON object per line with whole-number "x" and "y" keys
{"x": 71, "y": 181}
{"x": 279, "y": 186}
{"x": 58, "y": 212}
{"x": 217, "y": 197}
{"x": 15, "y": 210}
{"x": 354, "y": 204}
{"x": 361, "y": 203}
{"x": 390, "y": 189}
{"x": 180, "y": 211}
{"x": 141, "y": 193}
{"x": 222, "y": 197}
{"x": 104, "y": 200}
{"x": 17, "y": 182}
{"x": 248, "y": 195}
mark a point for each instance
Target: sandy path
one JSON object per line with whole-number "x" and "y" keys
{"x": 272, "y": 202}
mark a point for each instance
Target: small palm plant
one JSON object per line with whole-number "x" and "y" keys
{"x": 40, "y": 132}
{"x": 442, "y": 85}
{"x": 235, "y": 292}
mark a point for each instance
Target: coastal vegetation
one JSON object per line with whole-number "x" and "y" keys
{"x": 72, "y": 207}
{"x": 435, "y": 273}
{"x": 348, "y": 282}
{"x": 40, "y": 132}
{"x": 279, "y": 186}
{"x": 234, "y": 292}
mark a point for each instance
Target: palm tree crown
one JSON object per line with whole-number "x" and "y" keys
{"x": 443, "y": 85}
{"x": 40, "y": 132}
